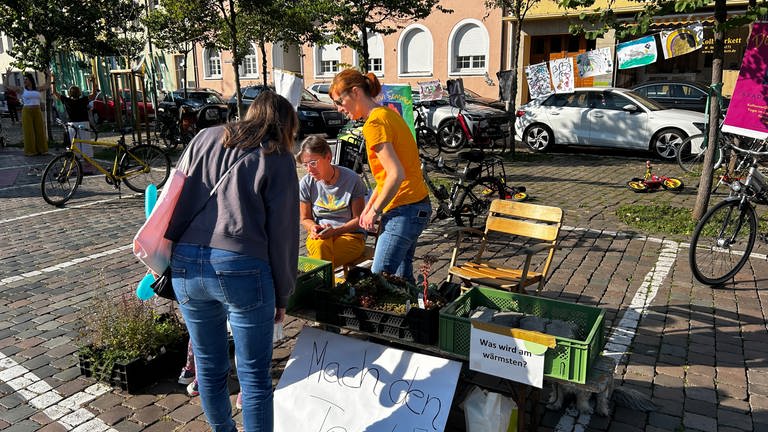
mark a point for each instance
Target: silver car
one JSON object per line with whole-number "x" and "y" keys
{"x": 605, "y": 117}
{"x": 485, "y": 123}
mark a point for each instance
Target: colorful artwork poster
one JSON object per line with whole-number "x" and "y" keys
{"x": 562, "y": 74}
{"x": 636, "y": 53}
{"x": 399, "y": 98}
{"x": 539, "y": 84}
{"x": 748, "y": 111}
{"x": 431, "y": 90}
{"x": 595, "y": 62}
{"x": 682, "y": 41}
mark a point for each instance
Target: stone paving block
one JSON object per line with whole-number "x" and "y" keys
{"x": 17, "y": 414}
{"x": 148, "y": 415}
{"x": 194, "y": 426}
{"x": 24, "y": 426}
{"x": 172, "y": 401}
{"x": 699, "y": 422}
{"x": 664, "y": 421}
{"x": 11, "y": 401}
{"x": 740, "y": 421}
{"x": 53, "y": 427}
{"x": 139, "y": 401}
{"x": 106, "y": 401}
{"x": 127, "y": 426}
{"x": 185, "y": 413}
{"x": 40, "y": 418}
{"x": 115, "y": 415}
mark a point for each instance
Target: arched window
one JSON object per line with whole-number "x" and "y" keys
{"x": 212, "y": 63}
{"x": 468, "y": 48}
{"x": 249, "y": 68}
{"x": 327, "y": 59}
{"x": 376, "y": 54}
{"x": 415, "y": 48}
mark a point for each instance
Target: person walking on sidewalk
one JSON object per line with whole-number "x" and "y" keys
{"x": 400, "y": 202}
{"x": 237, "y": 258}
{"x": 32, "y": 124}
{"x": 76, "y": 105}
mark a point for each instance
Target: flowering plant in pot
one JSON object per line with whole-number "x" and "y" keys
{"x": 123, "y": 336}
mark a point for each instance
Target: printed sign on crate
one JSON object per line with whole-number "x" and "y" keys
{"x": 495, "y": 350}
{"x": 338, "y": 383}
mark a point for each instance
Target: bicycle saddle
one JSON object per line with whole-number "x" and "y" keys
{"x": 474, "y": 155}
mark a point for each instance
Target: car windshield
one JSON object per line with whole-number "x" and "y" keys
{"x": 644, "y": 101}
{"x": 306, "y": 96}
{"x": 203, "y": 97}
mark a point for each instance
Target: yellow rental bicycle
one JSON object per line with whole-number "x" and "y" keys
{"x": 136, "y": 166}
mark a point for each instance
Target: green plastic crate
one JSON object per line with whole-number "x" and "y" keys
{"x": 314, "y": 274}
{"x": 570, "y": 360}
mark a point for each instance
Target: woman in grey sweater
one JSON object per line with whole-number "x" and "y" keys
{"x": 237, "y": 258}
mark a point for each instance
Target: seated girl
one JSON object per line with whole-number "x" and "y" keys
{"x": 331, "y": 200}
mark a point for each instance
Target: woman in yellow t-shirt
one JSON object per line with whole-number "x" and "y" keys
{"x": 400, "y": 202}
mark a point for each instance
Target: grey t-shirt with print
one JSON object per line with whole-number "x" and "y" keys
{"x": 331, "y": 204}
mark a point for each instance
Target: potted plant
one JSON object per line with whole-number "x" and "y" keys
{"x": 126, "y": 343}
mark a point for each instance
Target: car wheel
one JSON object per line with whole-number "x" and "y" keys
{"x": 538, "y": 137}
{"x": 666, "y": 142}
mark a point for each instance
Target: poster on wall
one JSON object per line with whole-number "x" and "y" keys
{"x": 539, "y": 83}
{"x": 399, "y": 97}
{"x": 636, "y": 53}
{"x": 748, "y": 111}
{"x": 595, "y": 62}
{"x": 334, "y": 383}
{"x": 562, "y": 74}
{"x": 430, "y": 90}
{"x": 682, "y": 41}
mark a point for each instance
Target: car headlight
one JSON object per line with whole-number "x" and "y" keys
{"x": 700, "y": 126}
{"x": 306, "y": 113}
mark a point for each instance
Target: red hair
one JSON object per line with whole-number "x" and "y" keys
{"x": 350, "y": 78}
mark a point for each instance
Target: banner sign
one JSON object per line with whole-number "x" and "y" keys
{"x": 636, "y": 53}
{"x": 682, "y": 41}
{"x": 430, "y": 90}
{"x": 289, "y": 86}
{"x": 338, "y": 383}
{"x": 507, "y": 357}
{"x": 595, "y": 62}
{"x": 399, "y": 97}
{"x": 562, "y": 74}
{"x": 539, "y": 84}
{"x": 748, "y": 111}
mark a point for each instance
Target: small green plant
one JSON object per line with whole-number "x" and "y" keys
{"x": 122, "y": 329}
{"x": 658, "y": 218}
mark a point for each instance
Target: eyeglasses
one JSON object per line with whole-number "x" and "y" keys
{"x": 310, "y": 164}
{"x": 340, "y": 99}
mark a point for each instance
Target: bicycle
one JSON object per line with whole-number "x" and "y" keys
{"x": 426, "y": 137}
{"x": 723, "y": 239}
{"x": 454, "y": 134}
{"x": 473, "y": 187}
{"x": 652, "y": 181}
{"x": 136, "y": 166}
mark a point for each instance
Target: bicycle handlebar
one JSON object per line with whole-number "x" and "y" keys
{"x": 751, "y": 152}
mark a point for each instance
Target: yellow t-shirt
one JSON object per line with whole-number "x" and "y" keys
{"x": 386, "y": 125}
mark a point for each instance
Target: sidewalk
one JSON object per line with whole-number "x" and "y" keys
{"x": 700, "y": 353}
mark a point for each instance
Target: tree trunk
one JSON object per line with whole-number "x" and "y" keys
{"x": 364, "y": 56}
{"x": 263, "y": 50}
{"x": 511, "y": 105}
{"x": 235, "y": 57}
{"x": 705, "y": 183}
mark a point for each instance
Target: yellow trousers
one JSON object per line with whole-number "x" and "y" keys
{"x": 35, "y": 139}
{"x": 339, "y": 250}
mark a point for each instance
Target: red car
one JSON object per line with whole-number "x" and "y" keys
{"x": 104, "y": 106}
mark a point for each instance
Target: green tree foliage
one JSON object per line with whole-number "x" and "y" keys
{"x": 354, "y": 20}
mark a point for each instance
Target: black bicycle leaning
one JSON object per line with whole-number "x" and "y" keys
{"x": 724, "y": 238}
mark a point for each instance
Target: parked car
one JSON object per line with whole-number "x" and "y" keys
{"x": 689, "y": 95}
{"x": 321, "y": 90}
{"x": 104, "y": 106}
{"x": 605, "y": 117}
{"x": 314, "y": 116}
{"x": 475, "y": 98}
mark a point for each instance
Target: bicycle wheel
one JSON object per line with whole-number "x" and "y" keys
{"x": 637, "y": 185}
{"x": 472, "y": 202}
{"x": 690, "y": 155}
{"x": 722, "y": 241}
{"x": 145, "y": 164}
{"x": 450, "y": 137}
{"x": 672, "y": 184}
{"x": 61, "y": 178}
{"x": 426, "y": 139}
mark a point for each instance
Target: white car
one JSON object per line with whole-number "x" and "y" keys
{"x": 605, "y": 117}
{"x": 320, "y": 90}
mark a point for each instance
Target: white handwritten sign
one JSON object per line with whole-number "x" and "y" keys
{"x": 507, "y": 357}
{"x": 334, "y": 383}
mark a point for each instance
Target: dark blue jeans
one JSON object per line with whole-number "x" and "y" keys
{"x": 401, "y": 228}
{"x": 213, "y": 285}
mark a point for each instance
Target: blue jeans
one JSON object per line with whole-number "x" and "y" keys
{"x": 396, "y": 244}
{"x": 213, "y": 285}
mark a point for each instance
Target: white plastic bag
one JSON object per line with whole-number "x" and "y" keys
{"x": 486, "y": 411}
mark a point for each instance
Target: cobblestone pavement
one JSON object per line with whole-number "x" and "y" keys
{"x": 700, "y": 353}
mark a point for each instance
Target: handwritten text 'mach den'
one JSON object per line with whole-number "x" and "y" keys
{"x": 365, "y": 376}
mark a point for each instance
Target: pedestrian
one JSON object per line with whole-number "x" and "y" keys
{"x": 76, "y": 105}
{"x": 12, "y": 99}
{"x": 400, "y": 202}
{"x": 32, "y": 125}
{"x": 332, "y": 200}
{"x": 237, "y": 259}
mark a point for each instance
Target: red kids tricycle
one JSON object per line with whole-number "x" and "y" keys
{"x": 653, "y": 182}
